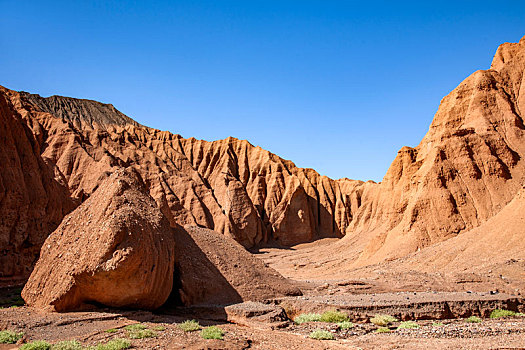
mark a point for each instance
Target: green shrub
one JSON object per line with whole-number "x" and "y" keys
{"x": 135, "y": 327}
{"x": 159, "y": 328}
{"x": 383, "y": 330}
{"x": 474, "y": 319}
{"x": 36, "y": 345}
{"x": 303, "y": 318}
{"x": 67, "y": 345}
{"x": 212, "y": 332}
{"x": 111, "y": 330}
{"x": 438, "y": 324}
{"x": 345, "y": 325}
{"x": 319, "y": 334}
{"x": 333, "y": 316}
{"x": 190, "y": 326}
{"x": 408, "y": 325}
{"x": 383, "y": 320}
{"x": 499, "y": 313}
{"x": 9, "y": 337}
{"x": 141, "y": 334}
{"x": 115, "y": 344}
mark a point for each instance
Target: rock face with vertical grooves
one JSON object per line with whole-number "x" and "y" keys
{"x": 229, "y": 186}
{"x": 464, "y": 171}
{"x": 34, "y": 197}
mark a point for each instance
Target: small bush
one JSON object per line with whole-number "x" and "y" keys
{"x": 9, "y": 337}
{"x": 115, "y": 344}
{"x": 383, "y": 330}
{"x": 474, "y": 319}
{"x": 135, "y": 327}
{"x": 190, "y": 326}
{"x": 142, "y": 333}
{"x": 333, "y": 316}
{"x": 345, "y": 325}
{"x": 499, "y": 313}
{"x": 383, "y": 320}
{"x": 111, "y": 330}
{"x": 212, "y": 332}
{"x": 303, "y": 318}
{"x": 159, "y": 328}
{"x": 321, "y": 335}
{"x": 408, "y": 325}
{"x": 67, "y": 345}
{"x": 36, "y": 345}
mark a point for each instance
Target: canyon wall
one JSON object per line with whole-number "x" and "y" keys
{"x": 58, "y": 150}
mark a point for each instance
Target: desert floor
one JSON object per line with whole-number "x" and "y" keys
{"x": 439, "y": 304}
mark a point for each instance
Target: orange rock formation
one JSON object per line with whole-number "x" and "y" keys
{"x": 466, "y": 169}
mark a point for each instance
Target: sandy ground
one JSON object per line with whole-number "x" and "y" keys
{"x": 324, "y": 264}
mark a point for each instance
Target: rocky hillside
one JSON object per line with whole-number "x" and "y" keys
{"x": 464, "y": 171}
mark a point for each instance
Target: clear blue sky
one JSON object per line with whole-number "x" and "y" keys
{"x": 338, "y": 86}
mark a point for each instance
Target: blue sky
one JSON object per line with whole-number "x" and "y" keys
{"x": 338, "y": 86}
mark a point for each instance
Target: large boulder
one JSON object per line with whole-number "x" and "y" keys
{"x": 116, "y": 249}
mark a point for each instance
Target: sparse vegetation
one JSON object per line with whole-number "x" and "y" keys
{"x": 67, "y": 345}
{"x": 36, "y": 345}
{"x": 212, "y": 332}
{"x": 159, "y": 328}
{"x": 115, "y": 344}
{"x": 500, "y": 313}
{"x": 9, "y": 337}
{"x": 141, "y": 334}
{"x": 310, "y": 317}
{"x": 135, "y": 327}
{"x": 333, "y": 316}
{"x": 345, "y": 325}
{"x": 408, "y": 325}
{"x": 320, "y": 334}
{"x": 383, "y": 330}
{"x": 111, "y": 330}
{"x": 438, "y": 324}
{"x": 474, "y": 319}
{"x": 190, "y": 326}
{"x": 139, "y": 331}
{"x": 383, "y": 320}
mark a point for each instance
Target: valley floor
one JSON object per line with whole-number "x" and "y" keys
{"x": 91, "y": 328}
{"x": 440, "y": 303}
